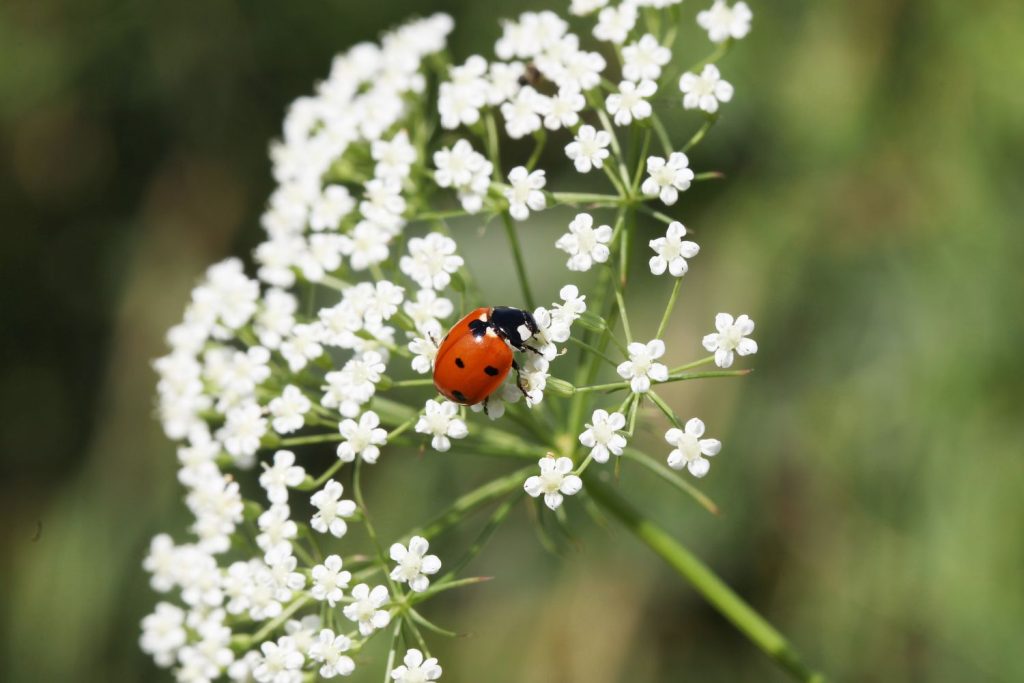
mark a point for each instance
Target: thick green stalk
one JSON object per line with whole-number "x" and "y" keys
{"x": 713, "y": 589}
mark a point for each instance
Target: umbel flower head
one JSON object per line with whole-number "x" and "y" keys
{"x": 329, "y": 351}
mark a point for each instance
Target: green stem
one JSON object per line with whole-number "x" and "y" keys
{"x": 713, "y": 589}
{"x": 659, "y": 128}
{"x": 686, "y": 487}
{"x": 701, "y": 132}
{"x": 668, "y": 309}
{"x": 517, "y": 256}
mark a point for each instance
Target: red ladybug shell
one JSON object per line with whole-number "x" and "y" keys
{"x": 472, "y": 361}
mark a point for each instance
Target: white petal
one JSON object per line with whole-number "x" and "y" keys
{"x": 710, "y": 447}
{"x": 695, "y": 427}
{"x": 571, "y": 485}
{"x": 698, "y": 467}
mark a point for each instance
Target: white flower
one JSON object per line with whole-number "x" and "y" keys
{"x": 427, "y": 310}
{"x": 276, "y": 318}
{"x": 629, "y": 102}
{"x": 554, "y": 481}
{"x": 602, "y": 437}
{"x": 705, "y": 91}
{"x": 283, "y": 473}
{"x": 615, "y": 23}
{"x": 580, "y": 70}
{"x": 458, "y": 165}
{"x": 353, "y": 385}
{"x": 383, "y": 203}
{"x": 424, "y": 352}
{"x": 163, "y": 633}
{"x": 282, "y": 662}
{"x": 439, "y": 420}
{"x": 584, "y": 243}
{"x": 242, "y": 431}
{"x": 413, "y": 563}
{"x": 667, "y": 178}
{"x": 562, "y": 109}
{"x": 328, "y": 651}
{"x": 460, "y": 103}
{"x": 431, "y": 260}
{"x": 415, "y": 669}
{"x": 525, "y": 194}
{"x": 723, "y": 22}
{"x": 583, "y": 7}
{"x": 690, "y": 448}
{"x": 362, "y": 439}
{"x": 329, "y": 581}
{"x": 672, "y": 251}
{"x": 731, "y": 337}
{"x": 589, "y": 148}
{"x": 288, "y": 410}
{"x": 523, "y": 114}
{"x": 331, "y": 510}
{"x": 302, "y": 346}
{"x": 640, "y": 369}
{"x": 277, "y": 528}
{"x": 366, "y": 245}
{"x": 334, "y": 203}
{"x": 365, "y": 608}
{"x": 394, "y": 157}
{"x": 644, "y": 59}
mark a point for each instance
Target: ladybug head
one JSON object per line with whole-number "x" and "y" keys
{"x": 514, "y": 325}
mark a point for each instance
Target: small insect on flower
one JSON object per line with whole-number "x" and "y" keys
{"x": 476, "y": 354}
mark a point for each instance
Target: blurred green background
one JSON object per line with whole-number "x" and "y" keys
{"x": 872, "y": 475}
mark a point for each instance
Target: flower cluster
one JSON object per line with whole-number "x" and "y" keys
{"x": 354, "y": 289}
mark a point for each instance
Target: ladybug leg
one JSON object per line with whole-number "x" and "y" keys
{"x": 487, "y": 406}
{"x": 519, "y": 378}
{"x": 530, "y": 348}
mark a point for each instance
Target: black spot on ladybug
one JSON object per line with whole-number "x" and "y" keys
{"x": 458, "y": 361}
{"x": 478, "y": 328}
{"x": 491, "y": 370}
{"x": 459, "y": 396}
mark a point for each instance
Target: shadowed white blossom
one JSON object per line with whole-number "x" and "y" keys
{"x": 723, "y": 22}
{"x": 365, "y": 608}
{"x": 525, "y": 194}
{"x": 667, "y": 177}
{"x": 362, "y": 439}
{"x": 414, "y": 669}
{"x": 328, "y": 651}
{"x": 282, "y": 474}
{"x": 641, "y": 367}
{"x": 630, "y": 101}
{"x": 584, "y": 243}
{"x": 731, "y": 337}
{"x": 331, "y": 510}
{"x": 644, "y": 59}
{"x": 554, "y": 481}
{"x": 589, "y": 148}
{"x": 438, "y": 420}
{"x": 705, "y": 91}
{"x": 672, "y": 251}
{"x": 690, "y": 450}
{"x": 601, "y": 435}
{"x": 414, "y": 566}
{"x": 330, "y": 580}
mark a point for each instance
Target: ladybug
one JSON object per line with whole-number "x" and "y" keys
{"x": 476, "y": 355}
